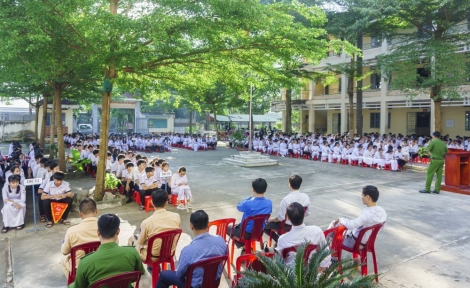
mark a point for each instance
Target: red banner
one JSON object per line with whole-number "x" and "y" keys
{"x": 58, "y": 210}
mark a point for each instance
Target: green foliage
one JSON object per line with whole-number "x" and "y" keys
{"x": 299, "y": 275}
{"x": 75, "y": 160}
{"x": 55, "y": 150}
{"x": 111, "y": 181}
{"x": 423, "y": 151}
{"x": 432, "y": 45}
{"x": 237, "y": 137}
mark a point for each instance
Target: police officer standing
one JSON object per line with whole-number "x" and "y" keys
{"x": 437, "y": 149}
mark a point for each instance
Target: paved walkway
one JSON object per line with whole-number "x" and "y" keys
{"x": 425, "y": 242}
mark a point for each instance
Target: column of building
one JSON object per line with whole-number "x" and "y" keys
{"x": 383, "y": 96}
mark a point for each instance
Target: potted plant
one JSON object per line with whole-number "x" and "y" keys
{"x": 75, "y": 161}
{"x": 237, "y": 139}
{"x": 423, "y": 152}
{"x": 111, "y": 182}
{"x": 300, "y": 275}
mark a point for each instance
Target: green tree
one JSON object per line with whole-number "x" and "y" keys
{"x": 429, "y": 60}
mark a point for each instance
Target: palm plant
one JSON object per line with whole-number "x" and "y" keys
{"x": 301, "y": 275}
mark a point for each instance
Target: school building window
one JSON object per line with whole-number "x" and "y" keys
{"x": 467, "y": 121}
{"x": 158, "y": 123}
{"x": 374, "y": 120}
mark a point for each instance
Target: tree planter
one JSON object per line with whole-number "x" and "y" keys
{"x": 75, "y": 175}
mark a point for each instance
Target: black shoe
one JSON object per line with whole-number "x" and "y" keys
{"x": 424, "y": 191}
{"x": 129, "y": 200}
{"x": 435, "y": 192}
{"x": 149, "y": 268}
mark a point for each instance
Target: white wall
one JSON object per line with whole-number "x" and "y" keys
{"x": 11, "y": 130}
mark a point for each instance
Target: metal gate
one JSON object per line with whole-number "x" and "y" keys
{"x": 411, "y": 123}
{"x": 142, "y": 125}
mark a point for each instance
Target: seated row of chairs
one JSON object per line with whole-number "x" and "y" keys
{"x": 170, "y": 238}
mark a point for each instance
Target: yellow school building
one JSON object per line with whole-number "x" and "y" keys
{"x": 325, "y": 108}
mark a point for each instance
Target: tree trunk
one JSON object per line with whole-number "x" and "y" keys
{"x": 60, "y": 129}
{"x": 36, "y": 123}
{"x": 215, "y": 125}
{"x": 190, "y": 122}
{"x": 288, "y": 111}
{"x": 43, "y": 124}
{"x": 52, "y": 130}
{"x": 105, "y": 111}
{"x": 435, "y": 96}
{"x": 359, "y": 64}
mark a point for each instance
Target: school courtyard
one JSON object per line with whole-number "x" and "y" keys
{"x": 424, "y": 243}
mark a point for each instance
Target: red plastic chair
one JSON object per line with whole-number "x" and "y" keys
{"x": 210, "y": 267}
{"x": 122, "y": 280}
{"x": 136, "y": 197}
{"x": 148, "y": 204}
{"x": 222, "y": 225}
{"x": 388, "y": 167}
{"x": 308, "y": 250}
{"x": 362, "y": 249}
{"x": 337, "y": 240}
{"x": 251, "y": 262}
{"x": 169, "y": 240}
{"x": 87, "y": 248}
{"x": 259, "y": 221}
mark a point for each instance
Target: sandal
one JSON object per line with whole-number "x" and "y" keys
{"x": 141, "y": 208}
{"x": 4, "y": 230}
{"x": 49, "y": 224}
{"x": 20, "y": 227}
{"x": 65, "y": 222}
{"x": 42, "y": 218}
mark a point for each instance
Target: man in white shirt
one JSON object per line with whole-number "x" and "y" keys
{"x": 370, "y": 216}
{"x": 294, "y": 196}
{"x": 300, "y": 234}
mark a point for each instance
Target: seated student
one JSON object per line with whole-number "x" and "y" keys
{"x": 82, "y": 233}
{"x": 23, "y": 164}
{"x": 203, "y": 246}
{"x": 148, "y": 184}
{"x": 138, "y": 173}
{"x": 126, "y": 181}
{"x": 164, "y": 182}
{"x": 179, "y": 186}
{"x": 14, "y": 170}
{"x": 300, "y": 234}
{"x": 161, "y": 221}
{"x": 118, "y": 166}
{"x": 37, "y": 166}
{"x": 110, "y": 259}
{"x": 371, "y": 215}
{"x": 57, "y": 190}
{"x": 294, "y": 196}
{"x": 254, "y": 205}
{"x": 389, "y": 159}
{"x": 109, "y": 162}
{"x": 14, "y": 204}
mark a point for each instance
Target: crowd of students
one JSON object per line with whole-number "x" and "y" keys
{"x": 148, "y": 143}
{"x": 387, "y": 151}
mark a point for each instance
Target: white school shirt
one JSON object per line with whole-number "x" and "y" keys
{"x": 299, "y": 235}
{"x": 35, "y": 170}
{"x": 125, "y": 175}
{"x": 369, "y": 217}
{"x": 293, "y": 196}
{"x": 51, "y": 189}
{"x": 177, "y": 179}
{"x": 41, "y": 173}
{"x": 118, "y": 168}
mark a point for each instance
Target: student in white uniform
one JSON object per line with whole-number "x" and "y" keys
{"x": 299, "y": 234}
{"x": 283, "y": 148}
{"x": 368, "y": 156}
{"x": 337, "y": 153}
{"x": 389, "y": 159}
{"x": 57, "y": 190}
{"x": 370, "y": 216}
{"x": 179, "y": 186}
{"x": 14, "y": 204}
{"x": 315, "y": 151}
{"x": 379, "y": 158}
{"x": 14, "y": 170}
{"x": 356, "y": 155}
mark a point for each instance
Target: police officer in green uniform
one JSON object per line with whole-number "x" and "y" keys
{"x": 438, "y": 150}
{"x": 110, "y": 259}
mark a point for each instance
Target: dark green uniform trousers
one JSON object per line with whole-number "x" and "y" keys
{"x": 435, "y": 167}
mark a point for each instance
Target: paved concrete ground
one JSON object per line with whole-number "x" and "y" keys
{"x": 425, "y": 242}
